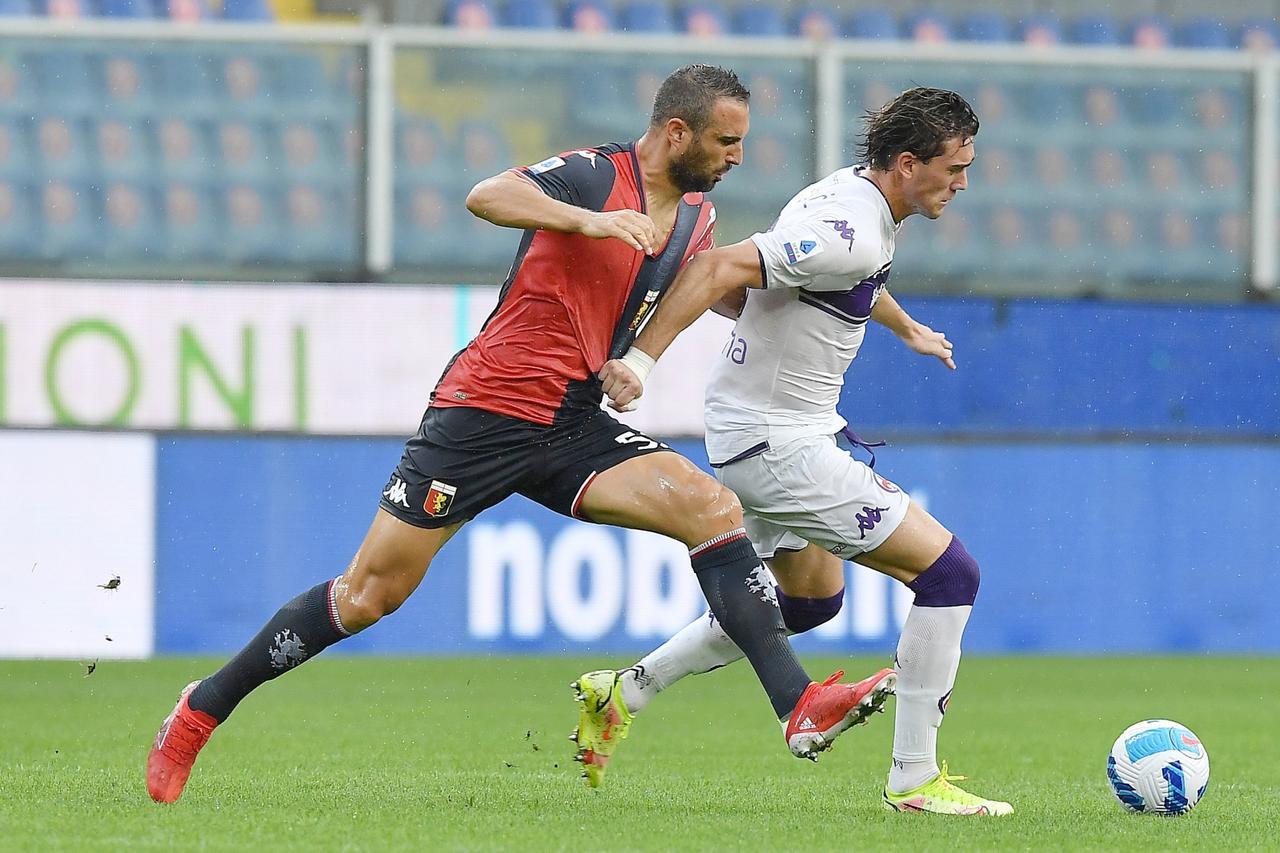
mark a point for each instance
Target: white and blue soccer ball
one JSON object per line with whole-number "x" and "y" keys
{"x": 1158, "y": 766}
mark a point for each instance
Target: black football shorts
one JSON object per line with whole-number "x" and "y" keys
{"x": 463, "y": 461}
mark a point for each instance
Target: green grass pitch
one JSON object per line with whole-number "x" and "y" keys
{"x": 353, "y": 753}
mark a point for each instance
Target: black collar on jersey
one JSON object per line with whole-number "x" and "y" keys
{"x": 655, "y": 276}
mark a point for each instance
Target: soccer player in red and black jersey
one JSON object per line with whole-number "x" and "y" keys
{"x": 518, "y": 412}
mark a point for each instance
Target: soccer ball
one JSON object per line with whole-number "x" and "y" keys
{"x": 1158, "y": 766}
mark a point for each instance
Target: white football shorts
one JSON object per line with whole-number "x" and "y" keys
{"x": 813, "y": 490}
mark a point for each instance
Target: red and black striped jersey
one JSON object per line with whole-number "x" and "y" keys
{"x": 571, "y": 302}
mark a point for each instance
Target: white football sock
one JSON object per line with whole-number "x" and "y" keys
{"x": 700, "y": 646}
{"x": 928, "y": 657}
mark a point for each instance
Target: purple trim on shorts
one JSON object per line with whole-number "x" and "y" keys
{"x": 952, "y": 580}
{"x": 805, "y": 614}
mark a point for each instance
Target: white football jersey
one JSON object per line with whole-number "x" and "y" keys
{"x": 825, "y": 262}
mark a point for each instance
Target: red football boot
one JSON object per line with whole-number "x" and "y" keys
{"x": 827, "y": 709}
{"x": 174, "y": 753}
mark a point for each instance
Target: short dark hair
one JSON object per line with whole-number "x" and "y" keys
{"x": 690, "y": 92}
{"x": 920, "y": 120}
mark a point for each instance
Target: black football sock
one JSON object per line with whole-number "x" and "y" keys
{"x": 300, "y": 630}
{"x": 742, "y": 598}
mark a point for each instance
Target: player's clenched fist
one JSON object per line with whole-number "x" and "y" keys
{"x": 631, "y": 226}
{"x": 622, "y": 379}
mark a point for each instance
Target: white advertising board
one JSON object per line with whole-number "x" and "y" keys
{"x": 334, "y": 359}
{"x": 77, "y": 530}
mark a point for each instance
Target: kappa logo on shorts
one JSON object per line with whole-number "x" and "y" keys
{"x": 885, "y": 484}
{"x": 397, "y": 492}
{"x": 439, "y": 499}
{"x": 869, "y": 518}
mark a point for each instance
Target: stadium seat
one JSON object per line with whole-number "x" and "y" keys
{"x": 425, "y": 232}
{"x": 1204, "y": 32}
{"x": 245, "y": 85}
{"x": 872, "y": 24}
{"x": 123, "y": 150}
{"x": 247, "y": 10}
{"x": 589, "y": 16}
{"x": 984, "y": 27}
{"x": 1040, "y": 30}
{"x": 530, "y": 14}
{"x": 1150, "y": 33}
{"x": 302, "y": 84}
{"x": 188, "y": 82}
{"x": 483, "y": 149}
{"x": 130, "y": 226}
{"x": 251, "y": 232}
{"x": 185, "y": 150}
{"x": 61, "y": 148}
{"x": 646, "y": 16}
{"x": 470, "y": 15}
{"x": 69, "y": 222}
{"x": 128, "y": 86}
{"x": 927, "y": 26}
{"x": 758, "y": 19}
{"x": 191, "y": 225}
{"x": 126, "y": 9}
{"x": 245, "y": 152}
{"x": 819, "y": 22}
{"x": 64, "y": 81}
{"x": 15, "y": 149}
{"x": 1096, "y": 30}
{"x": 422, "y": 152}
{"x": 703, "y": 18}
{"x": 1258, "y": 34}
{"x": 19, "y": 230}
{"x": 319, "y": 227}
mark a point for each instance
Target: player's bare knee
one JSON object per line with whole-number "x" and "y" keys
{"x": 710, "y": 507}
{"x": 364, "y": 595}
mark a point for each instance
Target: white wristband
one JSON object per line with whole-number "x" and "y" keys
{"x": 639, "y": 362}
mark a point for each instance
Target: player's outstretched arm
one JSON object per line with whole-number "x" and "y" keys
{"x": 917, "y": 336}
{"x": 705, "y": 281}
{"x": 509, "y": 200}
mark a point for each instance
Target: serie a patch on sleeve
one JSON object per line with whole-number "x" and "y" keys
{"x": 546, "y": 165}
{"x": 798, "y": 250}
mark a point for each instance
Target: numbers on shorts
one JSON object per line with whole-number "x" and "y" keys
{"x": 735, "y": 349}
{"x": 643, "y": 442}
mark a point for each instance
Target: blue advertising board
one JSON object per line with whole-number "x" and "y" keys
{"x": 1085, "y": 548}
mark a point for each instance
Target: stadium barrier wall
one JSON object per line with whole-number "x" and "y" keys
{"x": 362, "y": 360}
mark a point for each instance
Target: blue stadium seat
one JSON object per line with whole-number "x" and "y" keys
{"x": 192, "y": 225}
{"x": 301, "y": 84}
{"x": 815, "y": 21}
{"x": 482, "y": 150}
{"x": 251, "y": 224}
{"x": 1204, "y": 32}
{"x": 927, "y": 26}
{"x": 130, "y": 224}
{"x": 128, "y": 86}
{"x": 589, "y": 16}
{"x": 646, "y": 16}
{"x": 17, "y": 84}
{"x": 17, "y": 9}
{"x": 1040, "y": 29}
{"x": 64, "y": 80}
{"x": 126, "y": 9}
{"x": 247, "y": 10}
{"x": 187, "y": 82}
{"x": 15, "y": 149}
{"x": 1258, "y": 34}
{"x": 872, "y": 24}
{"x": 186, "y": 152}
{"x": 425, "y": 231}
{"x": 1150, "y": 32}
{"x": 311, "y": 151}
{"x": 245, "y": 82}
{"x": 530, "y": 14}
{"x": 422, "y": 150}
{"x": 319, "y": 226}
{"x": 123, "y": 150}
{"x": 1094, "y": 30}
{"x": 69, "y": 222}
{"x": 759, "y": 19}
{"x": 984, "y": 27}
{"x": 61, "y": 148}
{"x": 470, "y": 14}
{"x": 703, "y": 18}
{"x": 19, "y": 228}
{"x": 245, "y": 151}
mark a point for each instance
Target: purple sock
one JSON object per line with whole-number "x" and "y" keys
{"x": 952, "y": 580}
{"x": 805, "y": 614}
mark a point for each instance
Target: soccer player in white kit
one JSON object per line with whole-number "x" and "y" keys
{"x": 774, "y": 435}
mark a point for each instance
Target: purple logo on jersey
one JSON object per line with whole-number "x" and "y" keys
{"x": 869, "y": 518}
{"x": 843, "y": 228}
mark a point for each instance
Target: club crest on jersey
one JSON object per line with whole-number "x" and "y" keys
{"x": 439, "y": 499}
{"x": 885, "y": 484}
{"x": 546, "y": 165}
{"x": 798, "y": 249}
